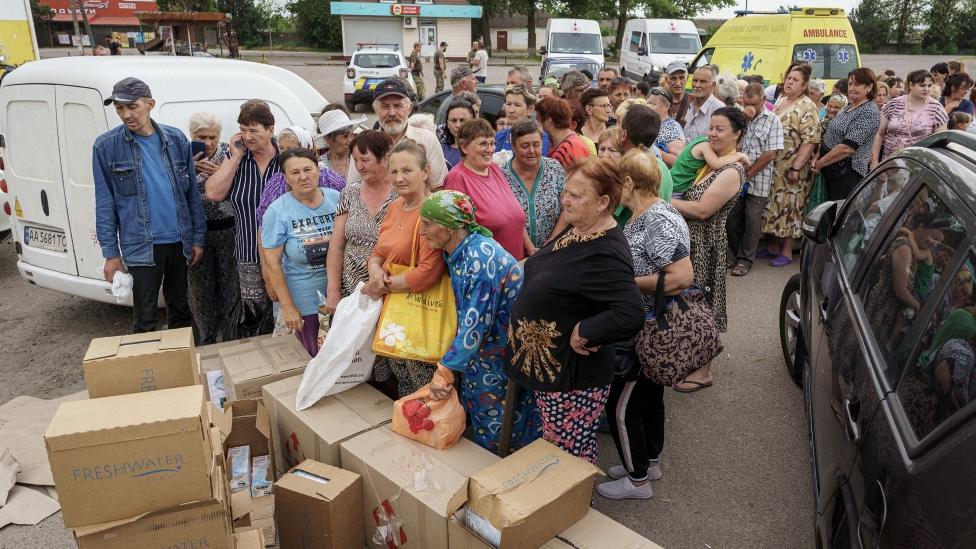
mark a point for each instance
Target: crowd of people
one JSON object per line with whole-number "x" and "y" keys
{"x": 565, "y": 232}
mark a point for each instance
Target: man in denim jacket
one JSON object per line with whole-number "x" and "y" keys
{"x": 148, "y": 210}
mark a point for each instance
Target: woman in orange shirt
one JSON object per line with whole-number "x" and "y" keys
{"x": 398, "y": 243}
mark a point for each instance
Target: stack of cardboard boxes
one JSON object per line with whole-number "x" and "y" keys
{"x": 181, "y": 447}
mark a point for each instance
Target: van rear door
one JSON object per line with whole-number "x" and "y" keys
{"x": 33, "y": 171}
{"x": 81, "y": 119}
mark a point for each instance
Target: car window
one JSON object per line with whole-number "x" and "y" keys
{"x": 491, "y": 105}
{"x": 705, "y": 58}
{"x": 377, "y": 60}
{"x": 572, "y": 42}
{"x": 635, "y": 41}
{"x": 940, "y": 380}
{"x": 433, "y": 104}
{"x": 901, "y": 279}
{"x": 674, "y": 43}
{"x": 830, "y": 61}
{"x": 865, "y": 211}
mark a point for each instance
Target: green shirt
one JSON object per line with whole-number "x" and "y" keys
{"x": 438, "y": 60}
{"x": 623, "y": 214}
{"x": 416, "y": 64}
{"x": 686, "y": 166}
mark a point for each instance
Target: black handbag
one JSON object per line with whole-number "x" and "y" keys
{"x": 837, "y": 170}
{"x": 625, "y": 363}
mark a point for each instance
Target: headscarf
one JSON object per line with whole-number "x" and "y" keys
{"x": 960, "y": 324}
{"x": 453, "y": 210}
{"x": 573, "y": 79}
{"x": 303, "y": 135}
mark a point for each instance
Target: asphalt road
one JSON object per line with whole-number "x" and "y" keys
{"x": 736, "y": 470}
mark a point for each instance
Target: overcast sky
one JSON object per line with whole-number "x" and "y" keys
{"x": 773, "y": 5}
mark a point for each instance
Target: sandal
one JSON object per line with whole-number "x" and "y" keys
{"x": 766, "y": 254}
{"x": 698, "y": 386}
{"x": 781, "y": 261}
{"x": 741, "y": 269}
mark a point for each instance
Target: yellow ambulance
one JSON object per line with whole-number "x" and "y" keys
{"x": 766, "y": 43}
{"x": 18, "y": 44}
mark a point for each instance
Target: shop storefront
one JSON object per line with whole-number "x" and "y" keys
{"x": 404, "y": 24}
{"x": 114, "y": 18}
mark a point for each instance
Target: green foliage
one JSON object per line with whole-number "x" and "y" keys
{"x": 315, "y": 24}
{"x": 942, "y": 28}
{"x": 41, "y": 13}
{"x": 249, "y": 21}
{"x": 871, "y": 21}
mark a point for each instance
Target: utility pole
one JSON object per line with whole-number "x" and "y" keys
{"x": 88, "y": 31}
{"x": 74, "y": 21}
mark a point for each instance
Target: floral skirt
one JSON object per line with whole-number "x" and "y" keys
{"x": 484, "y": 388}
{"x": 569, "y": 419}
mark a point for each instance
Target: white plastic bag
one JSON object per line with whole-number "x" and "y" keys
{"x": 121, "y": 286}
{"x": 346, "y": 358}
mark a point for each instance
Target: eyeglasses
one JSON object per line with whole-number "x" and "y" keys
{"x": 661, "y": 93}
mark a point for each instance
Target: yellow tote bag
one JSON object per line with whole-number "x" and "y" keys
{"x": 417, "y": 326}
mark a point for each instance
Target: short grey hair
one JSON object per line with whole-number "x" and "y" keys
{"x": 204, "y": 121}
{"x": 727, "y": 86}
{"x": 468, "y": 96}
{"x": 818, "y": 85}
{"x": 524, "y": 75}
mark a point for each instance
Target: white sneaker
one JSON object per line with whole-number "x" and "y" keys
{"x": 653, "y": 471}
{"x": 624, "y": 489}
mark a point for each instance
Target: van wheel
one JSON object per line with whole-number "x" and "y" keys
{"x": 790, "y": 333}
{"x": 351, "y": 106}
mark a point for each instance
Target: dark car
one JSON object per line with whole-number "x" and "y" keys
{"x": 879, "y": 330}
{"x": 492, "y": 103}
{"x": 558, "y": 66}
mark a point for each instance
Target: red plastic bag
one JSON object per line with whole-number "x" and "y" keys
{"x": 436, "y": 423}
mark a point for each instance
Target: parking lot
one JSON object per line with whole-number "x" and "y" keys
{"x": 736, "y": 471}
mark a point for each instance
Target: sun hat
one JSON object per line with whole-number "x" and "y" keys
{"x": 336, "y": 120}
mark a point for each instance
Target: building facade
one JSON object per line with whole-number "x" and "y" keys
{"x": 430, "y": 23}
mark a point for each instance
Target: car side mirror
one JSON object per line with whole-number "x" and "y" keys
{"x": 818, "y": 223}
{"x": 346, "y": 63}
{"x": 542, "y": 50}
{"x": 642, "y": 51}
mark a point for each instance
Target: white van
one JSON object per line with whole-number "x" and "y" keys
{"x": 51, "y": 111}
{"x": 573, "y": 38}
{"x": 649, "y": 45}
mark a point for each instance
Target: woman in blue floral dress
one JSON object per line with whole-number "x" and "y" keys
{"x": 486, "y": 280}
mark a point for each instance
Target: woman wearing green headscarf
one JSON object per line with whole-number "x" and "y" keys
{"x": 486, "y": 280}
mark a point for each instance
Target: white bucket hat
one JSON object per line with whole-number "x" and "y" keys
{"x": 336, "y": 120}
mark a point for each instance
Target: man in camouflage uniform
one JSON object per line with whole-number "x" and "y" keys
{"x": 417, "y": 70}
{"x": 440, "y": 67}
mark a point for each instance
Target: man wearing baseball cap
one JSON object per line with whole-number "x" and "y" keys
{"x": 149, "y": 216}
{"x": 392, "y": 105}
{"x": 676, "y": 74}
{"x": 440, "y": 67}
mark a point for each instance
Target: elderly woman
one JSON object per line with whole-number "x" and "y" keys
{"x": 459, "y": 111}
{"x": 296, "y": 258}
{"x": 573, "y": 85}
{"x": 556, "y": 119}
{"x": 608, "y": 144}
{"x": 670, "y": 138}
{"x": 253, "y": 161}
{"x": 485, "y": 280}
{"x": 479, "y": 178}
{"x": 727, "y": 89}
{"x": 908, "y": 118}
{"x": 294, "y": 137}
{"x": 519, "y": 105}
{"x": 845, "y": 148}
{"x": 955, "y": 93}
{"x": 706, "y": 206}
{"x": 620, "y": 90}
{"x": 399, "y": 243}
{"x": 791, "y": 175}
{"x": 537, "y": 183}
{"x": 337, "y": 129}
{"x": 596, "y": 103}
{"x": 361, "y": 210}
{"x": 816, "y": 90}
{"x": 214, "y": 291}
{"x": 578, "y": 298}
{"x": 660, "y": 246}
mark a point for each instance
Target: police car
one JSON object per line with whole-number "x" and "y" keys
{"x": 370, "y": 65}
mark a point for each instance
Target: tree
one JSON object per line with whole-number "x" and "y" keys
{"x": 248, "y": 20}
{"x": 943, "y": 30}
{"x": 871, "y": 21}
{"x": 908, "y": 17}
{"x": 316, "y": 25}
{"x": 42, "y": 15}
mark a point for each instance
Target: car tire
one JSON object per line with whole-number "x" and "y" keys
{"x": 790, "y": 330}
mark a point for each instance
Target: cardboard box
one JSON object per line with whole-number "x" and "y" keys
{"x": 208, "y": 356}
{"x": 530, "y": 496}
{"x": 247, "y": 423}
{"x": 319, "y": 506}
{"x": 253, "y": 364}
{"x": 200, "y": 524}
{"x": 594, "y": 531}
{"x": 316, "y": 432}
{"x": 117, "y": 457}
{"x": 136, "y": 363}
{"x": 250, "y": 539}
{"x": 420, "y": 486}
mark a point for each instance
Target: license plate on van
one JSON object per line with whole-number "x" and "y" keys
{"x": 45, "y": 239}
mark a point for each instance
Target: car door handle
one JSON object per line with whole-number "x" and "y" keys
{"x": 851, "y": 415}
{"x": 823, "y": 309}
